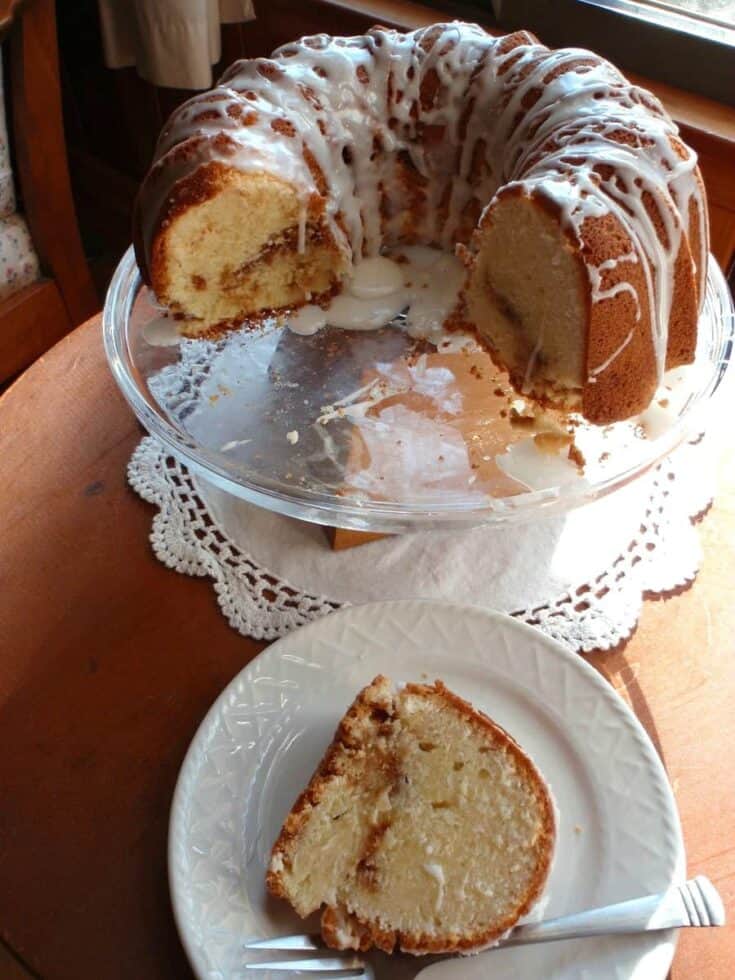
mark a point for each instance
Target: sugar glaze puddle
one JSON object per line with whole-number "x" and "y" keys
{"x": 421, "y": 282}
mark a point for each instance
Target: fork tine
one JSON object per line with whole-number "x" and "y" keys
{"x": 689, "y": 904}
{"x": 714, "y": 908}
{"x": 302, "y": 942}
{"x": 699, "y": 903}
{"x": 327, "y": 964}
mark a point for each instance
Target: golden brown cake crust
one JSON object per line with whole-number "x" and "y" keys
{"x": 375, "y": 703}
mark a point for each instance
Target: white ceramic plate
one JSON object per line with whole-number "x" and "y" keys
{"x": 618, "y": 837}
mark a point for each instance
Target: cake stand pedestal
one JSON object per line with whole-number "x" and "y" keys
{"x": 340, "y": 538}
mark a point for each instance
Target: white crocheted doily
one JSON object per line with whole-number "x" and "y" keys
{"x": 580, "y": 577}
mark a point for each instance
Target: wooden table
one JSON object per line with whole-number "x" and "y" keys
{"x": 109, "y": 661}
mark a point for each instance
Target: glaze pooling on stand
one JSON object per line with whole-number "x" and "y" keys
{"x": 376, "y": 278}
{"x": 421, "y": 281}
{"x": 161, "y": 332}
{"x": 468, "y": 116}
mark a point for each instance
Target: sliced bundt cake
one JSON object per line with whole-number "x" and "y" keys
{"x": 425, "y": 828}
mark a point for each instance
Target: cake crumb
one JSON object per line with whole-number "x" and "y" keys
{"x": 521, "y": 413}
{"x": 576, "y": 456}
{"x": 292, "y": 436}
{"x": 577, "y": 828}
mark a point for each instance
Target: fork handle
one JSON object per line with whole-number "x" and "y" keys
{"x": 668, "y": 910}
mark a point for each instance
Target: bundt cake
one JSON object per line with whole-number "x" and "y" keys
{"x": 577, "y": 209}
{"x": 425, "y": 827}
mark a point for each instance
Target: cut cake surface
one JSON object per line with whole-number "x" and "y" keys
{"x": 425, "y": 827}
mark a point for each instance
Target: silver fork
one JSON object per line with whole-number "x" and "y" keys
{"x": 695, "y": 903}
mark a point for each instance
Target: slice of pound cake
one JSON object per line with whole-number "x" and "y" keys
{"x": 425, "y": 828}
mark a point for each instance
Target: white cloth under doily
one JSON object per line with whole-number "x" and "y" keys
{"x": 581, "y": 577}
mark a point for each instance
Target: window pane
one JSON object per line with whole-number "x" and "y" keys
{"x": 722, "y": 11}
{"x": 689, "y": 44}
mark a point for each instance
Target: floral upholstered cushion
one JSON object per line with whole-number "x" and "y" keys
{"x": 18, "y": 259}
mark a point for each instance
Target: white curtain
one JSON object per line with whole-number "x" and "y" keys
{"x": 173, "y": 43}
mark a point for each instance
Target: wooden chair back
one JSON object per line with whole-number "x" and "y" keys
{"x": 38, "y": 315}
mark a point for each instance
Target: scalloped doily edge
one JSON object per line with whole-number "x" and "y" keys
{"x": 596, "y": 615}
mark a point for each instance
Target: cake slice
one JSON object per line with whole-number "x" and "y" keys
{"x": 425, "y": 827}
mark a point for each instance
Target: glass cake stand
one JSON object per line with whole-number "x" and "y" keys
{"x": 376, "y": 431}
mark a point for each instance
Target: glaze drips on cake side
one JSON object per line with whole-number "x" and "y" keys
{"x": 576, "y": 208}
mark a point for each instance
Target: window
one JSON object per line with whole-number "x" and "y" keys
{"x": 686, "y": 43}
{"x": 713, "y": 19}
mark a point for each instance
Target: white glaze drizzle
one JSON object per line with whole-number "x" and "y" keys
{"x": 525, "y": 463}
{"x": 596, "y": 273}
{"x": 471, "y": 114}
{"x": 594, "y": 372}
{"x": 425, "y": 284}
{"x": 301, "y": 246}
{"x": 532, "y": 360}
{"x": 436, "y": 871}
{"x": 163, "y": 331}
